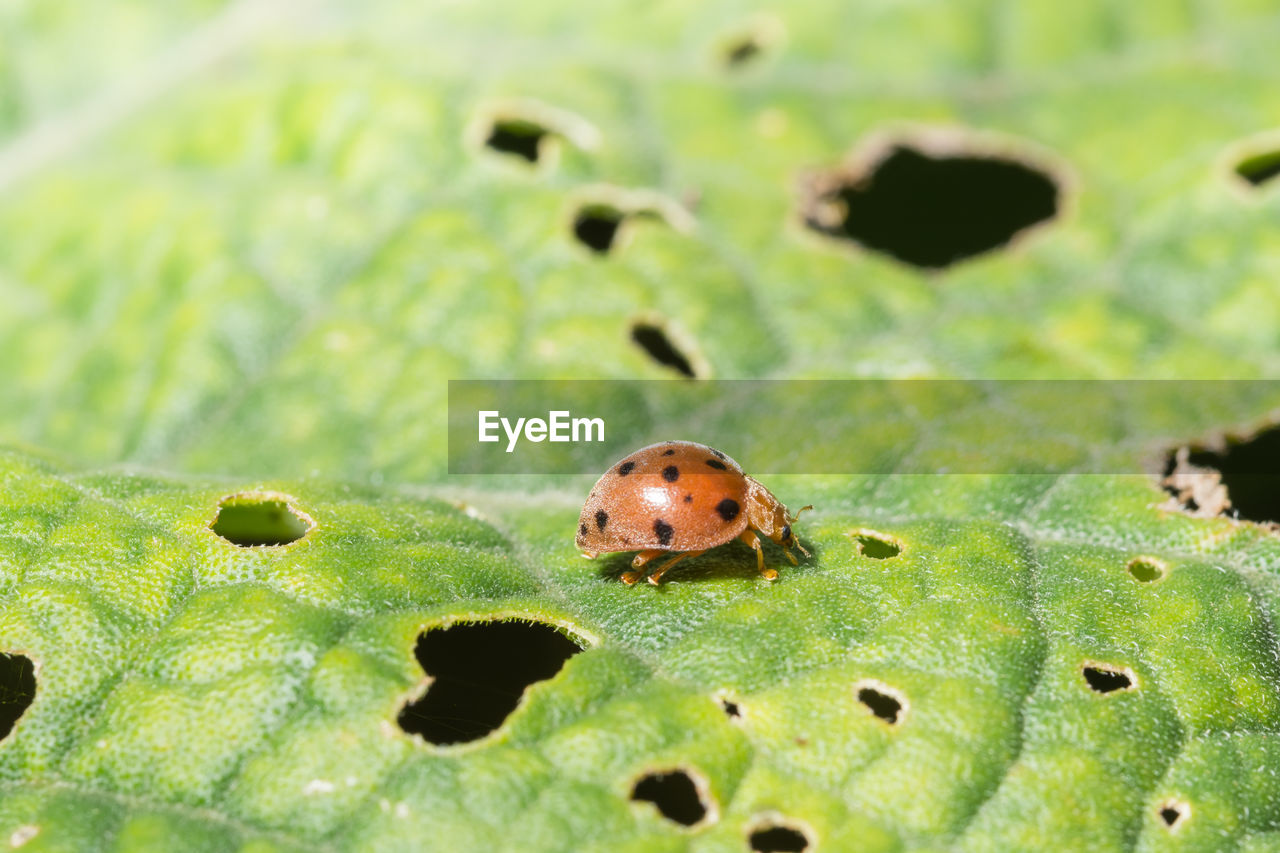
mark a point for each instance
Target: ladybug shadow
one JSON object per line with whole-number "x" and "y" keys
{"x": 732, "y": 560}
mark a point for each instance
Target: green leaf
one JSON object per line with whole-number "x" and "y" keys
{"x": 270, "y": 266}
{"x": 189, "y": 686}
{"x": 244, "y": 245}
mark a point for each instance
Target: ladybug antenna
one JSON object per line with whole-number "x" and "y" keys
{"x": 797, "y": 515}
{"x": 802, "y": 550}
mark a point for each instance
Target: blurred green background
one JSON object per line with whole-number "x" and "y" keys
{"x": 259, "y": 237}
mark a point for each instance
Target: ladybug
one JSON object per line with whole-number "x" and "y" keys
{"x": 680, "y": 496}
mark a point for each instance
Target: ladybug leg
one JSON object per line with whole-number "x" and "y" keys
{"x": 749, "y": 536}
{"x": 656, "y": 577}
{"x": 641, "y": 558}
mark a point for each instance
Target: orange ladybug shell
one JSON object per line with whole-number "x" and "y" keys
{"x": 671, "y": 496}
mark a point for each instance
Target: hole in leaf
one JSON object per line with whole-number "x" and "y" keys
{"x": 746, "y": 44}
{"x": 1147, "y": 569}
{"x": 602, "y": 216}
{"x": 653, "y": 339}
{"x": 877, "y": 546}
{"x": 742, "y": 51}
{"x": 932, "y": 211}
{"x": 260, "y": 519}
{"x": 479, "y": 672}
{"x": 1192, "y": 489}
{"x": 674, "y": 793}
{"x": 518, "y": 137}
{"x": 731, "y": 708}
{"x": 1174, "y": 812}
{"x": 1247, "y": 466}
{"x": 883, "y": 701}
{"x": 1257, "y": 169}
{"x": 17, "y": 690}
{"x": 528, "y": 130}
{"x": 777, "y": 838}
{"x": 1102, "y": 678}
{"x": 596, "y": 226}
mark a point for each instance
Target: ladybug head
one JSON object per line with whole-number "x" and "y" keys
{"x": 767, "y": 515}
{"x": 786, "y": 537}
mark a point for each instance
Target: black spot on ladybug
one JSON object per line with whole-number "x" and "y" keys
{"x": 688, "y": 499}
{"x": 671, "y": 473}
{"x": 668, "y": 453}
{"x": 602, "y": 518}
{"x": 582, "y": 529}
{"x": 717, "y": 453}
{"x": 663, "y": 531}
{"x": 716, "y": 463}
{"x": 728, "y": 509}
{"x": 625, "y": 468}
